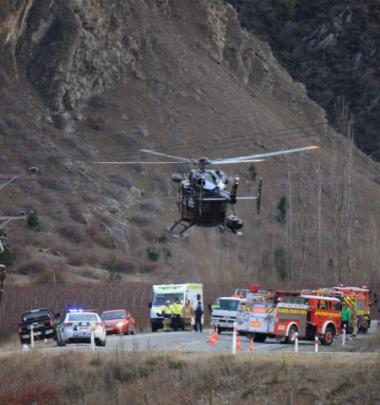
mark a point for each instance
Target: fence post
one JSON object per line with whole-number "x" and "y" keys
{"x": 31, "y": 336}
{"x": 92, "y": 340}
{"x": 316, "y": 344}
{"x": 296, "y": 343}
{"x": 234, "y": 335}
{"x": 344, "y": 335}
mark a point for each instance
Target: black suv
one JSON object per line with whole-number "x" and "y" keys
{"x": 44, "y": 323}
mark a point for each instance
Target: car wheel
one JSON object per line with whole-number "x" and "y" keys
{"x": 101, "y": 343}
{"x": 291, "y": 338}
{"x": 61, "y": 343}
{"x": 220, "y": 330}
{"x": 25, "y": 341}
{"x": 329, "y": 336}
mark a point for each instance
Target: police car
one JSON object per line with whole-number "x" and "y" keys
{"x": 77, "y": 326}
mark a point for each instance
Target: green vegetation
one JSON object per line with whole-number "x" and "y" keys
{"x": 282, "y": 209}
{"x": 153, "y": 253}
{"x": 6, "y": 258}
{"x": 33, "y": 220}
{"x": 252, "y": 172}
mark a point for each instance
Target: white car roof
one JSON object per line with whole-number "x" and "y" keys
{"x": 82, "y": 313}
{"x": 229, "y": 298}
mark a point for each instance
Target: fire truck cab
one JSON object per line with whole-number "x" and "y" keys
{"x": 358, "y": 299}
{"x": 282, "y": 315}
{"x": 324, "y": 317}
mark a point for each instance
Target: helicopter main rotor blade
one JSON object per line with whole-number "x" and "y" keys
{"x": 242, "y": 159}
{"x": 153, "y": 152}
{"x": 235, "y": 161}
{"x": 227, "y": 199}
{"x": 140, "y": 163}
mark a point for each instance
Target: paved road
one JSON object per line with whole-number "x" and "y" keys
{"x": 197, "y": 342}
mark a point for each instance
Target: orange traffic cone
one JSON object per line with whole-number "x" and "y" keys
{"x": 213, "y": 341}
{"x": 238, "y": 343}
{"x": 209, "y": 340}
{"x": 251, "y": 346}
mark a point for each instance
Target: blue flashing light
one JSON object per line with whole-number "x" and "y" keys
{"x": 75, "y": 310}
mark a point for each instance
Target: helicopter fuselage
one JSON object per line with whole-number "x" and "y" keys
{"x": 203, "y": 201}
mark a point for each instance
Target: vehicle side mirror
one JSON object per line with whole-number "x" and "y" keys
{"x": 150, "y": 305}
{"x": 176, "y": 177}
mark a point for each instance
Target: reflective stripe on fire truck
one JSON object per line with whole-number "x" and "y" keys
{"x": 292, "y": 311}
{"x": 328, "y": 314}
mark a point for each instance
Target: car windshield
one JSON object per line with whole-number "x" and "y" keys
{"x": 30, "y": 316}
{"x": 83, "y": 317}
{"x": 160, "y": 299}
{"x": 107, "y": 316}
{"x": 227, "y": 305}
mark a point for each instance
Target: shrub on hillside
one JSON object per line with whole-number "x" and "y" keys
{"x": 96, "y": 123}
{"x": 33, "y": 220}
{"x": 73, "y": 233}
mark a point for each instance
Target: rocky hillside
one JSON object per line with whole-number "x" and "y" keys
{"x": 91, "y": 80}
{"x": 331, "y": 47}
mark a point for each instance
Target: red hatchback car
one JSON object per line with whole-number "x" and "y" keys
{"x": 118, "y": 321}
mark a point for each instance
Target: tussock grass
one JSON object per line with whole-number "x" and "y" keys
{"x": 154, "y": 378}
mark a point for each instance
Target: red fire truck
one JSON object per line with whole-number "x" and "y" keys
{"x": 358, "y": 299}
{"x": 282, "y": 315}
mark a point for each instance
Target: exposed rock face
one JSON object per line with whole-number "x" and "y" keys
{"x": 332, "y": 47}
{"x": 71, "y": 49}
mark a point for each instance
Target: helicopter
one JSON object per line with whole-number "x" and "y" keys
{"x": 202, "y": 196}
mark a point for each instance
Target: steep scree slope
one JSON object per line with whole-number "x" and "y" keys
{"x": 96, "y": 80}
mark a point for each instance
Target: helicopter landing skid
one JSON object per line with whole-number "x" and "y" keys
{"x": 180, "y": 224}
{"x": 224, "y": 228}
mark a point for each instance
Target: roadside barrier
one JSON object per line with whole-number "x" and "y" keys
{"x": 234, "y": 334}
{"x": 251, "y": 346}
{"x": 316, "y": 344}
{"x": 296, "y": 343}
{"x": 92, "y": 340}
{"x": 344, "y": 335}
{"x": 31, "y": 336}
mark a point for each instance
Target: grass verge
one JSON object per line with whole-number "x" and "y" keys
{"x": 154, "y": 378}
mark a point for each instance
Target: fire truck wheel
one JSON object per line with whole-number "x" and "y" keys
{"x": 329, "y": 336}
{"x": 292, "y": 334}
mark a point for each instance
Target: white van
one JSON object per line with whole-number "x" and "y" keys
{"x": 224, "y": 312}
{"x": 164, "y": 292}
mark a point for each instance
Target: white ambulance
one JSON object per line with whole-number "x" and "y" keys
{"x": 169, "y": 292}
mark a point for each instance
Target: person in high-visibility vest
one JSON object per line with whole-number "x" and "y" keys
{"x": 176, "y": 314}
{"x": 166, "y": 312}
{"x": 346, "y": 317}
{"x": 187, "y": 315}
